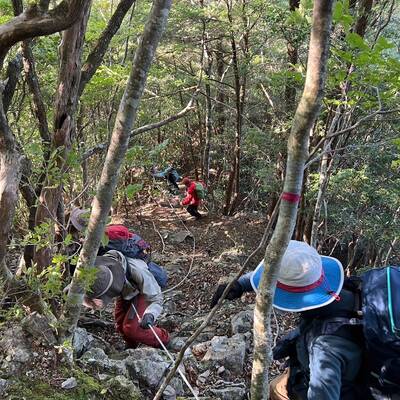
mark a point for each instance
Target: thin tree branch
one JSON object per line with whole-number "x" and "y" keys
{"x": 366, "y": 118}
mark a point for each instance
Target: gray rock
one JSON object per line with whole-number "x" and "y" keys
{"x": 97, "y": 358}
{"x": 38, "y": 326}
{"x": 148, "y": 366}
{"x": 149, "y": 373}
{"x": 202, "y": 378}
{"x": 178, "y": 237}
{"x": 169, "y": 393}
{"x": 81, "y": 341}
{"x": 145, "y": 353}
{"x": 230, "y": 393}
{"x": 123, "y": 388}
{"x": 4, "y": 383}
{"x": 178, "y": 385}
{"x": 229, "y": 352}
{"x": 15, "y": 351}
{"x": 242, "y": 322}
{"x": 169, "y": 306}
{"x": 103, "y": 377}
{"x": 70, "y": 383}
{"x": 176, "y": 343}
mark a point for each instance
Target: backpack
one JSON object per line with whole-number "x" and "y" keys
{"x": 201, "y": 190}
{"x": 133, "y": 247}
{"x": 381, "y": 325}
{"x": 159, "y": 274}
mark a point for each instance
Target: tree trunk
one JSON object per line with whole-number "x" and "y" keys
{"x": 232, "y": 191}
{"x": 306, "y": 114}
{"x": 96, "y": 56}
{"x": 64, "y": 126}
{"x": 116, "y": 152}
{"x": 207, "y": 145}
{"x": 220, "y": 104}
{"x": 290, "y": 89}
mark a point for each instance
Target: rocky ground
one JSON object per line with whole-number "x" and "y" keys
{"x": 197, "y": 255}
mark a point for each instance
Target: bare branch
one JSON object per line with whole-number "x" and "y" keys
{"x": 350, "y": 128}
{"x": 267, "y": 96}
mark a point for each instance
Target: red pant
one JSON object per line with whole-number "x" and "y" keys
{"x": 127, "y": 323}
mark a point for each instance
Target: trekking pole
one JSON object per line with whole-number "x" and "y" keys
{"x": 169, "y": 355}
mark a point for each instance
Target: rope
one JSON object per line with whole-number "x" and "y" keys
{"x": 169, "y": 355}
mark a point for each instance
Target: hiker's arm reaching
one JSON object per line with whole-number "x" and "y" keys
{"x": 242, "y": 285}
{"x": 245, "y": 283}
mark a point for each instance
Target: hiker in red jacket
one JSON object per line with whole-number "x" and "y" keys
{"x": 192, "y": 199}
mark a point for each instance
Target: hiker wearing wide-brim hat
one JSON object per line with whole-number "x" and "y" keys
{"x": 326, "y": 345}
{"x": 139, "y": 298}
{"x": 306, "y": 279}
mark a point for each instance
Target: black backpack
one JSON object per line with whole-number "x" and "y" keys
{"x": 381, "y": 326}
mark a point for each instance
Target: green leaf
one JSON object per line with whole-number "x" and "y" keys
{"x": 396, "y": 142}
{"x": 341, "y": 14}
{"x": 356, "y": 41}
{"x": 382, "y": 44}
{"x": 337, "y": 11}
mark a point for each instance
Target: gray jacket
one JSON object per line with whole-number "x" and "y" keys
{"x": 141, "y": 281}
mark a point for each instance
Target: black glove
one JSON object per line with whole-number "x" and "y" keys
{"x": 234, "y": 293}
{"x": 147, "y": 321}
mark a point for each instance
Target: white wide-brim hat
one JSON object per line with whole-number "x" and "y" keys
{"x": 306, "y": 279}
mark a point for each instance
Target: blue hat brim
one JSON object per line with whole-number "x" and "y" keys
{"x": 315, "y": 298}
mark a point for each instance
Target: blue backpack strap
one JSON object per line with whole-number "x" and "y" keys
{"x": 395, "y": 329}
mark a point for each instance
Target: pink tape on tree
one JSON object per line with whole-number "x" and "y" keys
{"x": 290, "y": 197}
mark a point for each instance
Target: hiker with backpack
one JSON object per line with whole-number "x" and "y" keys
{"x": 311, "y": 285}
{"x": 326, "y": 350}
{"x": 132, "y": 245}
{"x": 170, "y": 174}
{"x": 195, "y": 192}
{"x": 139, "y": 298}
